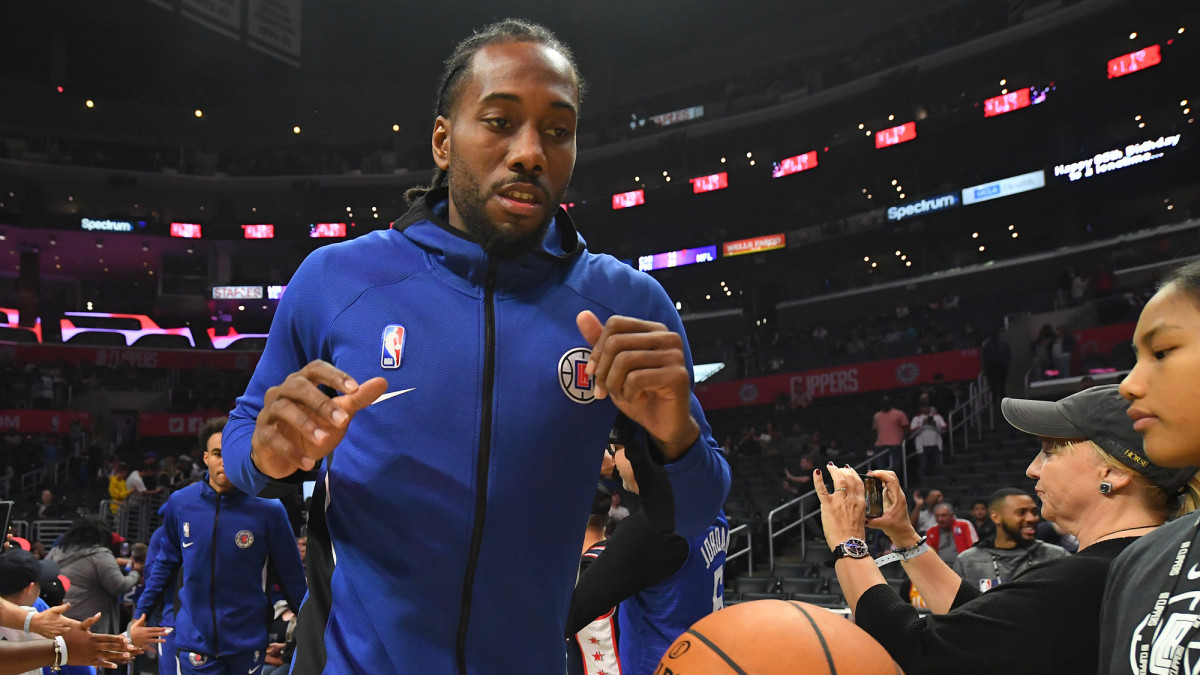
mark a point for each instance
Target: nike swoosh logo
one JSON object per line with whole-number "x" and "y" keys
{"x": 254, "y": 669}
{"x": 188, "y": 544}
{"x": 1193, "y": 573}
{"x": 390, "y": 394}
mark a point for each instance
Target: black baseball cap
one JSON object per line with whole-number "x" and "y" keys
{"x": 1099, "y": 415}
{"x": 19, "y": 568}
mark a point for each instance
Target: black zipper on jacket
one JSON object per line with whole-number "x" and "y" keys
{"x": 481, "y": 468}
{"x": 212, "y": 588}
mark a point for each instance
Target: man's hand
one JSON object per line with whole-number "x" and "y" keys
{"x": 641, "y": 366}
{"x": 299, "y": 425}
{"x": 142, "y": 635}
{"x": 85, "y": 648}
{"x": 51, "y": 622}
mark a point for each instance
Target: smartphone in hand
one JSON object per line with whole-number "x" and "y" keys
{"x": 873, "y": 493}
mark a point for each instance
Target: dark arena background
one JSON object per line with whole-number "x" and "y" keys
{"x": 844, "y": 201}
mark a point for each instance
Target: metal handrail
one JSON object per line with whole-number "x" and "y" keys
{"x": 748, "y": 551}
{"x": 772, "y": 533}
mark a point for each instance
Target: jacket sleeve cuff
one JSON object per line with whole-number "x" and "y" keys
{"x": 240, "y": 468}
{"x": 700, "y": 481}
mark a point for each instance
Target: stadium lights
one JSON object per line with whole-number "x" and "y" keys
{"x": 866, "y": 258}
{"x": 901, "y": 195}
{"x": 908, "y": 263}
{"x": 664, "y": 173}
{"x": 982, "y": 249}
{"x": 60, "y": 89}
{"x": 637, "y": 179}
{"x": 199, "y": 113}
{"x": 974, "y": 235}
{"x": 894, "y": 181}
{"x": 751, "y": 162}
{"x": 1015, "y": 234}
{"x": 668, "y": 179}
{"x": 1181, "y": 30}
{"x": 897, "y": 251}
{"x": 1133, "y": 35}
{"x": 707, "y": 297}
{"x": 89, "y": 103}
{"x": 395, "y": 127}
{"x": 891, "y": 118}
{"x": 861, "y": 126}
{"x": 295, "y": 130}
{"x": 1003, "y": 82}
{"x": 722, "y": 160}
{"x": 749, "y": 155}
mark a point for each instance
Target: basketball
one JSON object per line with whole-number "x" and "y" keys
{"x": 769, "y": 637}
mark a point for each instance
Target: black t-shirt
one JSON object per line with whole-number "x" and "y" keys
{"x": 1135, "y": 580}
{"x": 1045, "y": 621}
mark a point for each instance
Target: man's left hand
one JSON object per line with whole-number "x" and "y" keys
{"x": 641, "y": 366}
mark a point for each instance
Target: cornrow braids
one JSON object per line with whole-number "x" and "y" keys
{"x": 458, "y": 64}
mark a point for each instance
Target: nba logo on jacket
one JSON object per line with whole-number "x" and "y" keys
{"x": 393, "y": 346}
{"x": 573, "y": 376}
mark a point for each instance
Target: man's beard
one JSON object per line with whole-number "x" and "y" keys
{"x": 471, "y": 200}
{"x": 1015, "y": 536}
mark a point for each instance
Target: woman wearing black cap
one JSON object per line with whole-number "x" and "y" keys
{"x": 1149, "y": 621}
{"x": 1093, "y": 481}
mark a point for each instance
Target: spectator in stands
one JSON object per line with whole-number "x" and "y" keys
{"x": 922, "y": 512}
{"x": 1162, "y": 388}
{"x": 997, "y": 357}
{"x": 942, "y": 396}
{"x": 750, "y": 445}
{"x": 980, "y": 519}
{"x": 1079, "y": 288}
{"x": 1061, "y": 349}
{"x": 1042, "y": 361}
{"x": 97, "y": 581}
{"x": 1093, "y": 480}
{"x": 927, "y": 429}
{"x": 801, "y": 481}
{"x": 136, "y": 482}
{"x": 1013, "y": 549}
{"x": 118, "y": 490}
{"x": 617, "y": 512}
{"x": 950, "y": 535}
{"x": 46, "y": 508}
{"x": 890, "y": 426}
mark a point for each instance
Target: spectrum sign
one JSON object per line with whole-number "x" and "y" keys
{"x": 768, "y": 242}
{"x": 895, "y": 135}
{"x": 927, "y": 205}
{"x": 791, "y": 165}
{"x": 717, "y": 181}
{"x": 625, "y": 200}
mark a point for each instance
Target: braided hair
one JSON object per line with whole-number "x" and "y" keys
{"x": 459, "y": 63}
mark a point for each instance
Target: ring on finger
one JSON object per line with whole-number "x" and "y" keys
{"x": 841, "y": 489}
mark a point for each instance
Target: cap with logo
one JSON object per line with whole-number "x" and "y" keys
{"x": 1099, "y": 415}
{"x": 19, "y": 568}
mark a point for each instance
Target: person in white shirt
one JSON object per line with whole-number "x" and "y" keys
{"x": 927, "y": 427}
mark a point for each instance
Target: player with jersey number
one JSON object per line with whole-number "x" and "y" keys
{"x": 663, "y": 582}
{"x": 229, "y": 546}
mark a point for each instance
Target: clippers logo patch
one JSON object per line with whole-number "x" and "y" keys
{"x": 244, "y": 539}
{"x": 393, "y": 346}
{"x": 196, "y": 660}
{"x": 573, "y": 377}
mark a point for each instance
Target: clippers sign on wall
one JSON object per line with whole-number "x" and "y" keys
{"x": 852, "y": 379}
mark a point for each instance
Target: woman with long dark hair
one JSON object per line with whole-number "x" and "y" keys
{"x": 97, "y": 581}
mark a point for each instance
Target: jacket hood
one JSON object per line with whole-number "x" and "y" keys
{"x": 427, "y": 226}
{"x": 64, "y": 558}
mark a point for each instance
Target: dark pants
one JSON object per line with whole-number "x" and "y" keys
{"x": 929, "y": 461}
{"x": 890, "y": 457}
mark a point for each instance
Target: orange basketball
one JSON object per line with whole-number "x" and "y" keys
{"x": 770, "y": 637}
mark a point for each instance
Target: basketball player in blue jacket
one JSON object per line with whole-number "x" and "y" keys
{"x": 228, "y": 544}
{"x": 508, "y": 348}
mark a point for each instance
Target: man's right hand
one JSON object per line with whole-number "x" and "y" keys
{"x": 299, "y": 425}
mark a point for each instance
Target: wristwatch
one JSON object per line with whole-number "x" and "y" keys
{"x": 851, "y": 548}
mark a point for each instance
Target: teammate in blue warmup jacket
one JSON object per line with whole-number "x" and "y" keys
{"x": 454, "y": 509}
{"x": 228, "y": 543}
{"x": 166, "y": 648}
